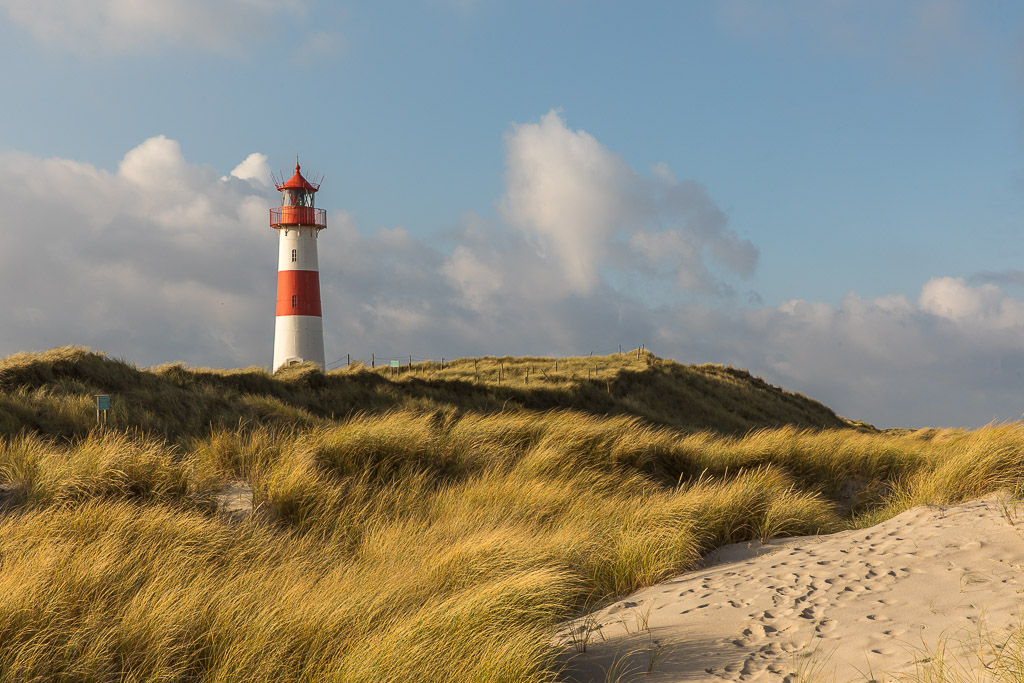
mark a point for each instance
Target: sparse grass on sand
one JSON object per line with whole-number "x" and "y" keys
{"x": 437, "y": 527}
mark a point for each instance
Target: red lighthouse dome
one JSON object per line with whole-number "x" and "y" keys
{"x": 297, "y": 203}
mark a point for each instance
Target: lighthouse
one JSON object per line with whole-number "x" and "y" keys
{"x": 299, "y": 330}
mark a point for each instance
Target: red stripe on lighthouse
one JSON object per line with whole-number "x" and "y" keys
{"x": 298, "y": 292}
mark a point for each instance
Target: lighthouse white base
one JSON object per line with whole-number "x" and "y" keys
{"x": 298, "y": 339}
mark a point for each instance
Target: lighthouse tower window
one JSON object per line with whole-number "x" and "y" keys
{"x": 295, "y": 300}
{"x": 295, "y": 255}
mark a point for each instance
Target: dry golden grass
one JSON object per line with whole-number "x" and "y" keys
{"x": 432, "y": 528}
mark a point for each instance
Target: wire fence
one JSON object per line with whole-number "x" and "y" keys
{"x": 409, "y": 360}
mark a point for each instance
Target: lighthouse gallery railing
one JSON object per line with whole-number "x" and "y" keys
{"x": 298, "y": 215}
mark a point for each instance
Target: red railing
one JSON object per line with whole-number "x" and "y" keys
{"x": 298, "y": 215}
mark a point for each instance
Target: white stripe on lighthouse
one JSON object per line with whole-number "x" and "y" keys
{"x": 302, "y": 241}
{"x": 298, "y": 337}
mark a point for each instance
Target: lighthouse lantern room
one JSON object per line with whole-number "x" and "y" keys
{"x": 299, "y": 330}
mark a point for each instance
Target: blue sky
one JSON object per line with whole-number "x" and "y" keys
{"x": 828, "y": 192}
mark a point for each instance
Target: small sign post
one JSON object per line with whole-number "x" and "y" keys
{"x": 102, "y": 406}
{"x": 395, "y": 364}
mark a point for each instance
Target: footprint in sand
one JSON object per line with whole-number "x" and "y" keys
{"x": 755, "y": 632}
{"x": 751, "y": 669}
{"x": 826, "y": 626}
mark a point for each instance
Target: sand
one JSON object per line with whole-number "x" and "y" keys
{"x": 235, "y": 499}
{"x": 854, "y": 606}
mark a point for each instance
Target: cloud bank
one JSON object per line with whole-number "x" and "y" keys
{"x": 951, "y": 357}
{"x": 160, "y": 260}
{"x": 165, "y": 259}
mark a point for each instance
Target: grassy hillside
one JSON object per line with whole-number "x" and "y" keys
{"x": 52, "y": 393}
{"x": 434, "y": 527}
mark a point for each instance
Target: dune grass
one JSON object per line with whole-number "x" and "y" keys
{"x": 431, "y": 527}
{"x": 51, "y": 393}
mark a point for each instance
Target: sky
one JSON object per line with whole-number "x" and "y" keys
{"x": 828, "y": 193}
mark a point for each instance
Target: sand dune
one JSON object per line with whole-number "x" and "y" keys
{"x": 852, "y": 606}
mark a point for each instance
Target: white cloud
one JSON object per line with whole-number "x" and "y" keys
{"x": 475, "y": 279}
{"x": 253, "y": 167}
{"x": 984, "y": 304}
{"x": 129, "y": 26}
{"x": 577, "y": 204}
{"x": 157, "y": 167}
{"x": 567, "y": 194}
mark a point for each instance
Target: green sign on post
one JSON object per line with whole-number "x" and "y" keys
{"x": 102, "y": 406}
{"x": 396, "y": 364}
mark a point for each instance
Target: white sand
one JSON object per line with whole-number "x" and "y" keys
{"x": 235, "y": 499}
{"x": 852, "y": 606}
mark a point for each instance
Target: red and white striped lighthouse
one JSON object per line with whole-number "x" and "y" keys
{"x": 299, "y": 331}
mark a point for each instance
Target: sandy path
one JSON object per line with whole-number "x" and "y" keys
{"x": 852, "y": 606}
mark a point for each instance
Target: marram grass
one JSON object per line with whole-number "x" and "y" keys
{"x": 431, "y": 528}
